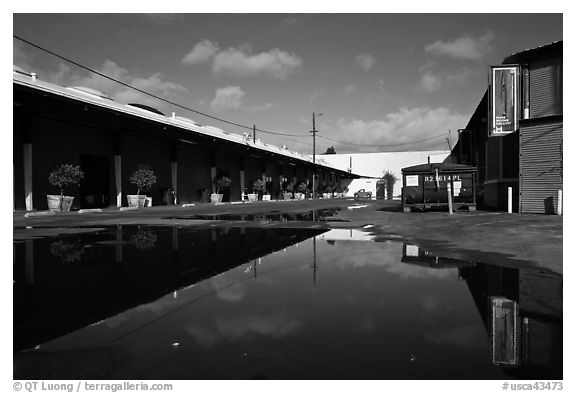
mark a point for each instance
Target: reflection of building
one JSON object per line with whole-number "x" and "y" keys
{"x": 115, "y": 275}
{"x": 415, "y": 255}
{"x": 522, "y": 311}
{"x": 529, "y": 158}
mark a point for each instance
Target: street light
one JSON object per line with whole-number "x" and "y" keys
{"x": 314, "y": 152}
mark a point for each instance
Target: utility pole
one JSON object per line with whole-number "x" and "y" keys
{"x": 314, "y": 153}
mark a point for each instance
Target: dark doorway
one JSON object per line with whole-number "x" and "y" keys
{"x": 94, "y": 190}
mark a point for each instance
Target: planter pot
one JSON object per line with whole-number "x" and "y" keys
{"x": 287, "y": 195}
{"x": 252, "y": 197}
{"x": 216, "y": 198}
{"x": 326, "y": 195}
{"x": 299, "y": 195}
{"x": 54, "y": 203}
{"x": 266, "y": 197}
{"x": 136, "y": 200}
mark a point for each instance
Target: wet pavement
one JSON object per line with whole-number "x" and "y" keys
{"x": 334, "y": 290}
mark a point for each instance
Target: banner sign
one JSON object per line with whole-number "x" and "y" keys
{"x": 504, "y": 99}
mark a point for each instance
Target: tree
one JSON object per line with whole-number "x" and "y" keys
{"x": 143, "y": 179}
{"x": 389, "y": 179}
{"x": 330, "y": 150}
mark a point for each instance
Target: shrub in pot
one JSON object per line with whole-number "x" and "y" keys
{"x": 257, "y": 188}
{"x": 143, "y": 179}
{"x": 327, "y": 192}
{"x": 63, "y": 176}
{"x": 289, "y": 191}
{"x": 302, "y": 189}
{"x": 220, "y": 183}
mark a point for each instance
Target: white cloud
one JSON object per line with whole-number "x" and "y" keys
{"x": 240, "y": 62}
{"x": 400, "y": 127}
{"x": 202, "y": 51}
{"x": 431, "y": 81}
{"x": 233, "y": 98}
{"x": 350, "y": 88}
{"x": 155, "y": 83}
{"x": 366, "y": 61}
{"x": 293, "y": 20}
{"x": 164, "y": 19}
{"x": 465, "y": 47}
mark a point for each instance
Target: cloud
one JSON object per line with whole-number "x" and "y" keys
{"x": 164, "y": 19}
{"x": 465, "y": 47}
{"x": 202, "y": 51}
{"x": 233, "y": 98}
{"x": 431, "y": 81}
{"x": 366, "y": 61}
{"x": 350, "y": 88}
{"x": 240, "y": 62}
{"x": 293, "y": 20}
{"x": 155, "y": 83}
{"x": 400, "y": 127}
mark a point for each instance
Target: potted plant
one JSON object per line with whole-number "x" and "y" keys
{"x": 220, "y": 183}
{"x": 144, "y": 239}
{"x": 327, "y": 192}
{"x": 63, "y": 176}
{"x": 143, "y": 179}
{"x": 257, "y": 188}
{"x": 67, "y": 251}
{"x": 288, "y": 191}
{"x": 302, "y": 188}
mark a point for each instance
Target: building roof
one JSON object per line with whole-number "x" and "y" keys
{"x": 539, "y": 52}
{"x": 93, "y": 97}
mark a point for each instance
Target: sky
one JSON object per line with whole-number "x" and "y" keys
{"x": 382, "y": 82}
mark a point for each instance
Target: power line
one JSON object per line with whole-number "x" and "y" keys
{"x": 153, "y": 95}
{"x": 386, "y": 145}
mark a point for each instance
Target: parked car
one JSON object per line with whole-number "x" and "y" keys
{"x": 362, "y": 193}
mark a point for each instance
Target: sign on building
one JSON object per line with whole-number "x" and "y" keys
{"x": 504, "y": 94}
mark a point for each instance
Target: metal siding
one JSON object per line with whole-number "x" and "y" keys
{"x": 546, "y": 88}
{"x": 541, "y": 163}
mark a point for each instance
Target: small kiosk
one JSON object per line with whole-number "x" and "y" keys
{"x": 426, "y": 186}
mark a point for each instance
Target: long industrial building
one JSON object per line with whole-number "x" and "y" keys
{"x": 110, "y": 140}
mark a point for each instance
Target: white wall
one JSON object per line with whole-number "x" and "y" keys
{"x": 376, "y": 164}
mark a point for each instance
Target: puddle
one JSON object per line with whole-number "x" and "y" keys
{"x": 248, "y": 303}
{"x": 315, "y": 215}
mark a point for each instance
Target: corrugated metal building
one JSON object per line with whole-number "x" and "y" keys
{"x": 529, "y": 159}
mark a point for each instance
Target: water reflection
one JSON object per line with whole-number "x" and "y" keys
{"x": 235, "y": 303}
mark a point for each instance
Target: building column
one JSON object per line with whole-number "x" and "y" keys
{"x": 213, "y": 171}
{"x": 175, "y": 180}
{"x": 242, "y": 179}
{"x": 118, "y": 178}
{"x": 27, "y": 156}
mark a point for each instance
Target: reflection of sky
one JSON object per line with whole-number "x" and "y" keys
{"x": 365, "y": 308}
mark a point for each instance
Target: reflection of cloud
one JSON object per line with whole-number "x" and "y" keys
{"x": 388, "y": 256}
{"x": 276, "y": 325}
{"x": 367, "y": 325}
{"x": 430, "y": 304}
{"x": 227, "y": 290}
{"x": 466, "y": 337}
